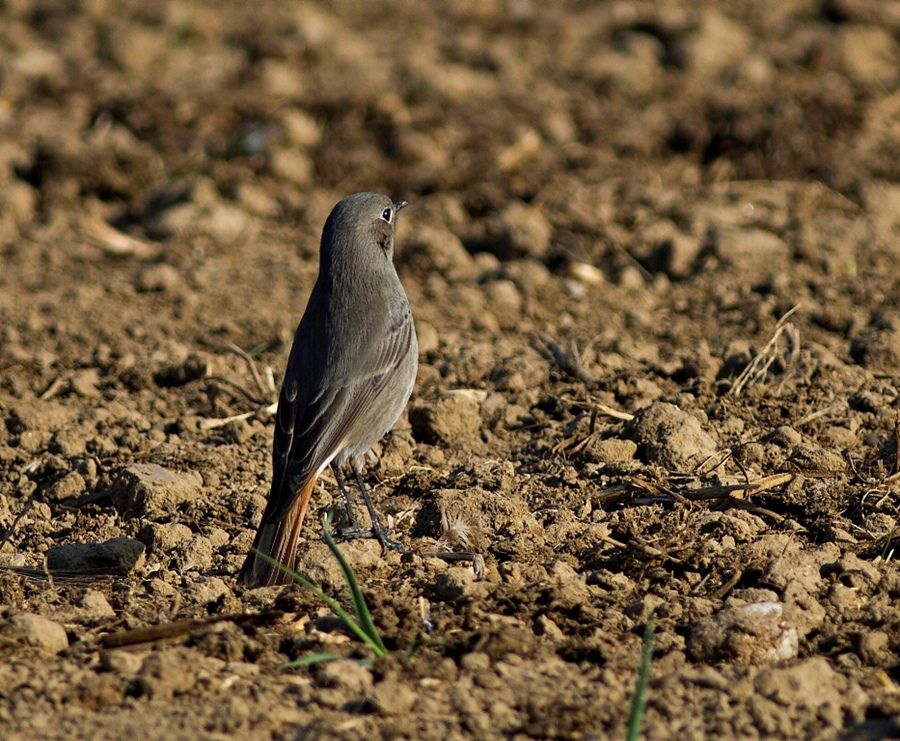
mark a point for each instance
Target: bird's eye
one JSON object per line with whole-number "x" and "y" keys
{"x": 388, "y": 215}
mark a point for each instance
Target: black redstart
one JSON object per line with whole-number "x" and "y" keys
{"x": 350, "y": 373}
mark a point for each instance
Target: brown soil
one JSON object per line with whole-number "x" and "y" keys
{"x": 616, "y": 206}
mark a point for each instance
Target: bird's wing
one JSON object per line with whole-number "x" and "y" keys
{"x": 317, "y": 414}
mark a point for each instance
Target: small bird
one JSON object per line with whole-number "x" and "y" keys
{"x": 349, "y": 375}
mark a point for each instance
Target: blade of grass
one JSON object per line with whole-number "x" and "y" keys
{"x": 317, "y": 658}
{"x": 359, "y": 601}
{"x": 640, "y": 691}
{"x": 348, "y": 620}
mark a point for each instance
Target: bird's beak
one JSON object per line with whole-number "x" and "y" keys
{"x": 400, "y": 205}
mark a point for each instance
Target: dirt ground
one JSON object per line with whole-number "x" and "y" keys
{"x": 653, "y": 255}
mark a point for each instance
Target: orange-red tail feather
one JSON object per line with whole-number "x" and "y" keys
{"x": 277, "y": 538}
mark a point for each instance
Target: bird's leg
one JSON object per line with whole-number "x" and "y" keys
{"x": 353, "y": 529}
{"x": 377, "y": 527}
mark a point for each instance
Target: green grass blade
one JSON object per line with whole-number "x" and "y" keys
{"x": 317, "y": 658}
{"x": 359, "y": 601}
{"x": 335, "y": 606}
{"x": 640, "y": 691}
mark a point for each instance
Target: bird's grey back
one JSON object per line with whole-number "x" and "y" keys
{"x": 354, "y": 359}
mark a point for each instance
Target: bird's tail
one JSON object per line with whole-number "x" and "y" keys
{"x": 277, "y": 538}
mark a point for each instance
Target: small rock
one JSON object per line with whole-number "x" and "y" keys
{"x": 166, "y": 673}
{"x": 279, "y": 79}
{"x": 142, "y": 489}
{"x": 453, "y": 419}
{"x": 315, "y": 562}
{"x": 717, "y": 43}
{"x": 663, "y": 247}
{"x": 670, "y": 437}
{"x": 519, "y": 231}
{"x": 196, "y": 554}
{"x": 292, "y": 165}
{"x": 874, "y": 647}
{"x": 124, "y": 663}
{"x": 570, "y": 589}
{"x": 218, "y": 536}
{"x": 225, "y": 223}
{"x": 547, "y": 628}
{"x": 475, "y": 662}
{"x": 206, "y": 589}
{"x": 160, "y": 277}
{"x": 347, "y": 675}
{"x": 192, "y": 368}
{"x": 530, "y": 275}
{"x": 750, "y": 634}
{"x": 68, "y": 487}
{"x": 786, "y": 437}
{"x": 35, "y": 630}
{"x": 785, "y": 560}
{"x": 19, "y": 200}
{"x": 38, "y": 416}
{"x": 36, "y": 63}
{"x": 396, "y": 453}
{"x": 161, "y": 538}
{"x": 393, "y": 697}
{"x": 115, "y": 556}
{"x": 811, "y": 683}
{"x": 94, "y": 606}
{"x": 438, "y": 250}
{"x": 301, "y": 129}
{"x": 612, "y": 450}
{"x": 809, "y": 457}
{"x": 84, "y": 383}
{"x": 868, "y": 54}
{"x": 879, "y": 524}
{"x": 457, "y": 582}
{"x": 505, "y": 301}
{"x": 754, "y": 253}
{"x": 257, "y": 200}
{"x": 69, "y": 442}
{"x": 878, "y": 349}
{"x": 428, "y": 338}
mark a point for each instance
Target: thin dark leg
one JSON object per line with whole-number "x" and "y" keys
{"x": 352, "y": 522}
{"x": 377, "y": 527}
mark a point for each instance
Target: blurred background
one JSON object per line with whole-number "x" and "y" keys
{"x": 613, "y": 206}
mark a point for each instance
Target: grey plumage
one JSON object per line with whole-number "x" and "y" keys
{"x": 349, "y": 375}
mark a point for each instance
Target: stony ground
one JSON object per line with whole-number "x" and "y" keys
{"x": 653, "y": 258}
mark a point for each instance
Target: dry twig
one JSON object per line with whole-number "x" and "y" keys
{"x": 568, "y": 362}
{"x": 758, "y": 368}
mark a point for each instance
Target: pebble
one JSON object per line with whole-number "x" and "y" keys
{"x": 453, "y": 419}
{"x": 292, "y": 165}
{"x": 160, "y": 277}
{"x": 428, "y": 338}
{"x": 68, "y": 487}
{"x": 162, "y": 537}
{"x": 519, "y": 230}
{"x": 143, "y": 489}
{"x": 505, "y": 301}
{"x": 393, "y": 697}
{"x": 194, "y": 554}
{"x": 347, "y": 675}
{"x": 431, "y": 249}
{"x": 612, "y": 450}
{"x": 94, "y": 606}
{"x": 37, "y": 631}
{"x": 670, "y": 437}
{"x": 750, "y": 634}
{"x": 166, "y": 673}
{"x": 114, "y": 556}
